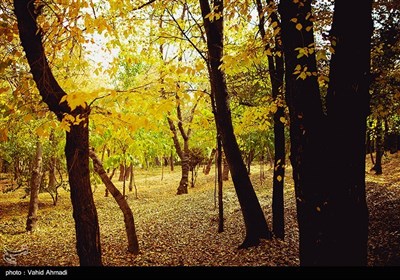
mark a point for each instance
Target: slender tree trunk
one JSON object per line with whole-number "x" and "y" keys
{"x": 207, "y": 168}
{"x": 220, "y": 185}
{"x": 77, "y": 144}
{"x": 225, "y": 170}
{"x": 184, "y": 182}
{"x": 121, "y": 172}
{"x": 380, "y": 135}
{"x": 131, "y": 177}
{"x": 34, "y": 184}
{"x": 255, "y": 223}
{"x": 276, "y": 72}
{"x": 171, "y": 161}
{"x": 133, "y": 245}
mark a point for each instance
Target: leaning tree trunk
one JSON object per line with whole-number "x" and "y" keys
{"x": 255, "y": 223}
{"x": 35, "y": 185}
{"x": 77, "y": 139}
{"x": 133, "y": 245}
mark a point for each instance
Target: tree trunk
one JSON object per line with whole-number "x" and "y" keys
{"x": 306, "y": 131}
{"x": 133, "y": 245}
{"x": 131, "y": 181}
{"x": 225, "y": 171}
{"x": 331, "y": 208}
{"x": 380, "y": 135}
{"x": 34, "y": 186}
{"x": 121, "y": 172}
{"x": 171, "y": 162}
{"x": 220, "y": 185}
{"x": 84, "y": 209}
{"x": 184, "y": 182}
{"x": 77, "y": 148}
{"x": 255, "y": 223}
{"x": 348, "y": 107}
{"x": 207, "y": 168}
{"x": 276, "y": 72}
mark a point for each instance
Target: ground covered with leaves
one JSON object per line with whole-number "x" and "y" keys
{"x": 182, "y": 230}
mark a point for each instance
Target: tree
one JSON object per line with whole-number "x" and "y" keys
{"x": 276, "y": 72}
{"x": 34, "y": 186}
{"x": 77, "y": 144}
{"x": 255, "y": 223}
{"x": 331, "y": 206}
{"x": 183, "y": 152}
{"x": 133, "y": 245}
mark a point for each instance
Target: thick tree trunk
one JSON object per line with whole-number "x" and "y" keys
{"x": 306, "y": 129}
{"x": 133, "y": 245}
{"x": 34, "y": 186}
{"x": 255, "y": 223}
{"x": 348, "y": 107}
{"x": 77, "y": 148}
{"x": 331, "y": 205}
{"x": 84, "y": 209}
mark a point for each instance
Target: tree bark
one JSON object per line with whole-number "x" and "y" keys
{"x": 207, "y": 168}
{"x": 131, "y": 179}
{"x": 183, "y": 155}
{"x": 34, "y": 184}
{"x": 276, "y": 73}
{"x": 121, "y": 172}
{"x": 380, "y": 136}
{"x": 133, "y": 245}
{"x": 348, "y": 107}
{"x": 255, "y": 223}
{"x": 77, "y": 148}
{"x": 220, "y": 186}
{"x": 331, "y": 207}
{"x": 225, "y": 170}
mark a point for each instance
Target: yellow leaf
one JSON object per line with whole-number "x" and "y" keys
{"x": 318, "y": 209}
{"x": 3, "y": 134}
{"x": 279, "y": 178}
{"x": 308, "y": 28}
{"x": 299, "y": 26}
{"x": 282, "y": 119}
{"x": 27, "y": 118}
{"x": 294, "y": 20}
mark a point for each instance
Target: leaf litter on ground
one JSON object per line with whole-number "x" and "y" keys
{"x": 182, "y": 230}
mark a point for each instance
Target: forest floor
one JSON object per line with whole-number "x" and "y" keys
{"x": 182, "y": 230}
